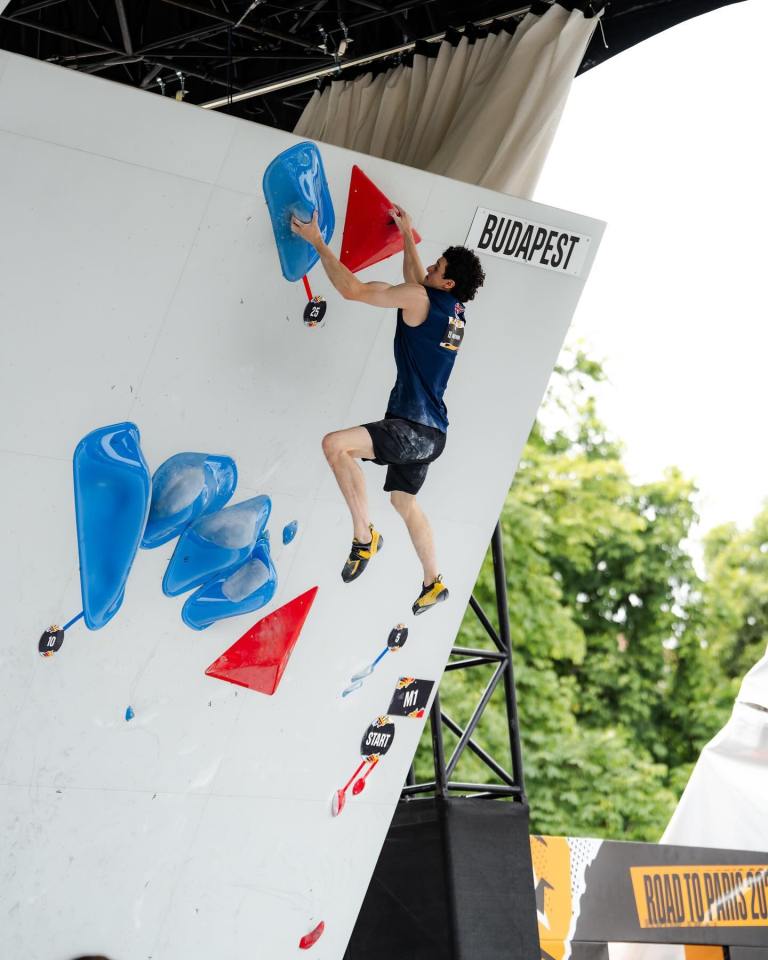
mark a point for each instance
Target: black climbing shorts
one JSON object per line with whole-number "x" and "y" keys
{"x": 407, "y": 449}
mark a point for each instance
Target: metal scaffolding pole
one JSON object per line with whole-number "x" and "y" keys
{"x": 512, "y": 785}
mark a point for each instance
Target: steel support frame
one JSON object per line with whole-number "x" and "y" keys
{"x": 291, "y": 79}
{"x": 156, "y": 57}
{"x": 512, "y": 783}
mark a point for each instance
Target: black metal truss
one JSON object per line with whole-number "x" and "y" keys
{"x": 200, "y": 48}
{"x": 204, "y": 49}
{"x": 510, "y": 784}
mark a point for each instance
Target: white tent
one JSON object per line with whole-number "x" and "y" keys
{"x": 725, "y": 803}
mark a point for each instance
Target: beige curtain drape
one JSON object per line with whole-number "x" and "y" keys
{"x": 484, "y": 110}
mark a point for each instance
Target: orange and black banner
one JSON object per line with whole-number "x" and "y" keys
{"x": 593, "y": 891}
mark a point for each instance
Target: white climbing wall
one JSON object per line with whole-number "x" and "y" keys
{"x": 139, "y": 281}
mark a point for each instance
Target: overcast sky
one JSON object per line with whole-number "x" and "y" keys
{"x": 667, "y": 143}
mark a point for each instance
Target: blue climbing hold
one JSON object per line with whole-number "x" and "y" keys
{"x": 129, "y": 714}
{"x": 294, "y": 184}
{"x": 248, "y": 588}
{"x": 289, "y": 531}
{"x": 112, "y": 496}
{"x": 185, "y": 487}
{"x": 216, "y": 545}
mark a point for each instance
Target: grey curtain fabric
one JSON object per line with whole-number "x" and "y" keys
{"x": 484, "y": 110}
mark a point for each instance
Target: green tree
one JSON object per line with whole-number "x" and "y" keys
{"x": 614, "y": 672}
{"x": 735, "y": 597}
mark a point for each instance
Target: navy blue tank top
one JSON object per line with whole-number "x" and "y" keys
{"x": 424, "y": 356}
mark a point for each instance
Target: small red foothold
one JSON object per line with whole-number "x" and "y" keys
{"x": 337, "y": 805}
{"x": 310, "y": 939}
{"x": 358, "y": 787}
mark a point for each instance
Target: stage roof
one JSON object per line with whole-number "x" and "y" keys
{"x": 214, "y": 48}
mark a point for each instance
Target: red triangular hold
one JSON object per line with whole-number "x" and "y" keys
{"x": 370, "y": 233}
{"x": 259, "y": 658}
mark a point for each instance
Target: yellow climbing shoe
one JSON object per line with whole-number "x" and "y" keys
{"x": 360, "y": 554}
{"x": 430, "y": 595}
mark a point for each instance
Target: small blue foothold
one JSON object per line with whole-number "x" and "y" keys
{"x": 289, "y": 531}
{"x": 129, "y": 714}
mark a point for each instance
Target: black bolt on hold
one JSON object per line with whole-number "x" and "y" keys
{"x": 50, "y": 641}
{"x": 314, "y": 311}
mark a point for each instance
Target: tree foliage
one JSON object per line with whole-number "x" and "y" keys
{"x": 626, "y": 661}
{"x": 736, "y": 596}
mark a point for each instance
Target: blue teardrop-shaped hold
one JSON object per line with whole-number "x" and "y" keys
{"x": 216, "y": 544}
{"x": 294, "y": 184}
{"x": 129, "y": 714}
{"x": 112, "y": 496}
{"x": 185, "y": 487}
{"x": 289, "y": 531}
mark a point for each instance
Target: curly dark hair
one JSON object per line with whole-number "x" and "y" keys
{"x": 463, "y": 267}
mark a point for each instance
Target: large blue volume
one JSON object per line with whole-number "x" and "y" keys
{"x": 294, "y": 184}
{"x": 248, "y": 588}
{"x": 112, "y": 496}
{"x": 185, "y": 487}
{"x": 216, "y": 544}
